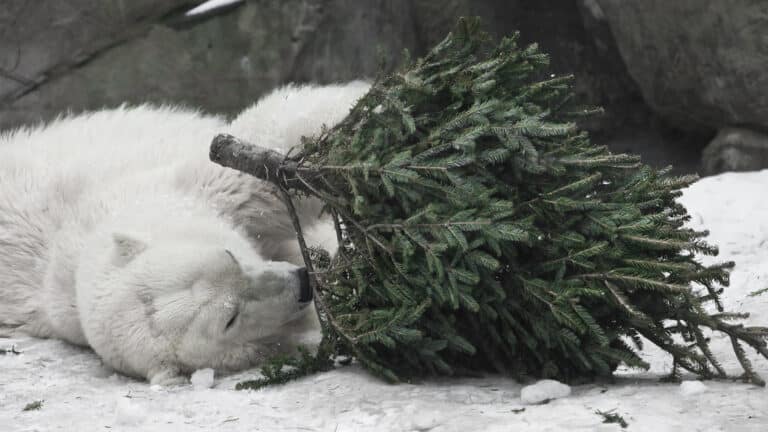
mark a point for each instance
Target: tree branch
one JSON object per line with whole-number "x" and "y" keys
{"x": 265, "y": 164}
{"x": 271, "y": 166}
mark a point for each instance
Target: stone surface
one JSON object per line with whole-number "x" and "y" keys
{"x": 223, "y": 61}
{"x": 544, "y": 391}
{"x": 700, "y": 63}
{"x": 43, "y": 39}
{"x": 736, "y": 149}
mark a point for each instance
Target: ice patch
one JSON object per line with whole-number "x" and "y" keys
{"x": 202, "y": 379}
{"x": 544, "y": 390}
{"x": 689, "y": 388}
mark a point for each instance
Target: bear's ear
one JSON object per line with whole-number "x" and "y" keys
{"x": 127, "y": 247}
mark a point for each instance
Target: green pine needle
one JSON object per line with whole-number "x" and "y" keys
{"x": 480, "y": 230}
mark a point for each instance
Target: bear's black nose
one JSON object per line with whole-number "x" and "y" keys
{"x": 305, "y": 289}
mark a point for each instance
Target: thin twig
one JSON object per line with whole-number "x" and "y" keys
{"x": 321, "y": 306}
{"x": 428, "y": 225}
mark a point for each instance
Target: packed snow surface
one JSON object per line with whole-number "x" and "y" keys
{"x": 690, "y": 388}
{"x": 79, "y": 394}
{"x": 128, "y": 412}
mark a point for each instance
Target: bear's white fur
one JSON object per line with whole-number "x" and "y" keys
{"x": 118, "y": 233}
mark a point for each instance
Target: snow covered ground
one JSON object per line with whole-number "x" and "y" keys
{"x": 78, "y": 394}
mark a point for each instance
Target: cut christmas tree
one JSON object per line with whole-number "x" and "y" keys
{"x": 480, "y": 230}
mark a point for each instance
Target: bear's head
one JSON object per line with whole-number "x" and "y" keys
{"x": 169, "y": 303}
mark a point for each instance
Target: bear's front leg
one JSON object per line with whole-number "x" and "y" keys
{"x": 166, "y": 376}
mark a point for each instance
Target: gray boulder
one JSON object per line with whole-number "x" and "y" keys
{"x": 41, "y": 40}
{"x": 226, "y": 61}
{"x": 701, "y": 64}
{"x": 93, "y": 54}
{"x": 736, "y": 149}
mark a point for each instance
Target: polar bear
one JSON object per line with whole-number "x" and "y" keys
{"x": 119, "y": 234}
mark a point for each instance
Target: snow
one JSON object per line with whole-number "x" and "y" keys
{"x": 129, "y": 413}
{"x": 209, "y": 6}
{"x": 202, "y": 379}
{"x": 690, "y": 388}
{"x": 544, "y": 391}
{"x": 80, "y": 394}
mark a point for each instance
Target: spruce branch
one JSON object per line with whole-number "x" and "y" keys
{"x": 480, "y": 230}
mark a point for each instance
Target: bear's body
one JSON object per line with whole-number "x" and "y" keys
{"x": 118, "y": 233}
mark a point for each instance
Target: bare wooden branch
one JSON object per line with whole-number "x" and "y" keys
{"x": 266, "y": 164}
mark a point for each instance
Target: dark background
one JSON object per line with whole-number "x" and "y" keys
{"x": 683, "y": 82}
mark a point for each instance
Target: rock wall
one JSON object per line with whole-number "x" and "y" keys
{"x": 701, "y": 65}
{"x": 41, "y": 40}
{"x": 634, "y": 60}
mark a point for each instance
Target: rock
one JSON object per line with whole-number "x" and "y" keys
{"x": 700, "y": 63}
{"x": 227, "y": 61}
{"x": 224, "y": 60}
{"x": 43, "y": 39}
{"x": 544, "y": 391}
{"x": 736, "y": 149}
{"x": 690, "y": 388}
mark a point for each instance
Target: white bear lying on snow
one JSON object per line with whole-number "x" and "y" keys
{"x": 118, "y": 233}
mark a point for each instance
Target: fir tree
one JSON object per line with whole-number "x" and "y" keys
{"x": 480, "y": 230}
